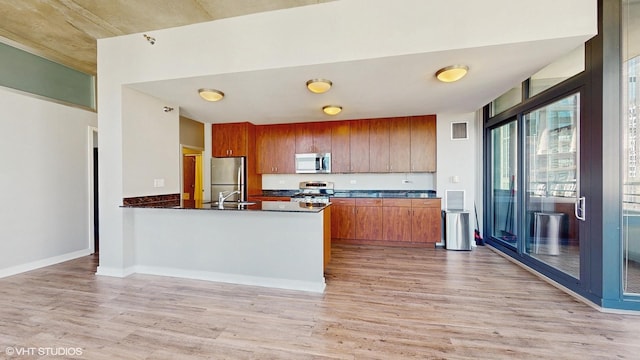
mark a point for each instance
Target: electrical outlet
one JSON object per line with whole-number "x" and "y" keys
{"x": 281, "y": 182}
{"x": 157, "y": 183}
{"x": 352, "y": 182}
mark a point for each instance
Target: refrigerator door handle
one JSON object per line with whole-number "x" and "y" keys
{"x": 240, "y": 187}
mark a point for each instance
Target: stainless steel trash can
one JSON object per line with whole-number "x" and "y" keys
{"x": 458, "y": 234}
{"x": 546, "y": 233}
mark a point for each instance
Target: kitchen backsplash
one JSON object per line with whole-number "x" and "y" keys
{"x": 396, "y": 181}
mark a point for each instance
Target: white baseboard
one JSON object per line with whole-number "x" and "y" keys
{"x": 114, "y": 272}
{"x": 18, "y": 269}
{"x": 317, "y": 287}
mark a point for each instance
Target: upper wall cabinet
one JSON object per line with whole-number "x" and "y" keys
{"x": 276, "y": 146}
{"x": 229, "y": 139}
{"x": 340, "y": 147}
{"x": 313, "y": 137}
{"x": 398, "y": 145}
{"x": 359, "y": 142}
{"x": 423, "y": 143}
{"x": 379, "y": 145}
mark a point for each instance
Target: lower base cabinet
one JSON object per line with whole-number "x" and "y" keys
{"x": 343, "y": 218}
{"x": 368, "y": 219}
{"x": 389, "y": 221}
{"x": 397, "y": 220}
{"x": 426, "y": 221}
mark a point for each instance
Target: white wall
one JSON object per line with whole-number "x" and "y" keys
{"x": 151, "y": 141}
{"x": 457, "y": 159}
{"x": 44, "y": 149}
{"x": 418, "y": 181}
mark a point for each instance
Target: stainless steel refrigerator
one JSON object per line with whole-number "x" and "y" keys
{"x": 227, "y": 175}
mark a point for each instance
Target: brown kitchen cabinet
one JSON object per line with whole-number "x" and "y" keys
{"x": 276, "y": 145}
{"x": 340, "y": 147}
{"x": 379, "y": 145}
{"x": 400, "y": 144}
{"x": 238, "y": 139}
{"x": 368, "y": 219}
{"x": 343, "y": 216}
{"x": 313, "y": 137}
{"x": 230, "y": 139}
{"x": 426, "y": 220}
{"x": 396, "y": 216}
{"x": 359, "y": 143}
{"x": 423, "y": 143}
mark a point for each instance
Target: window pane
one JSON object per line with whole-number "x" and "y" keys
{"x": 631, "y": 148}
{"x": 558, "y": 71}
{"x": 503, "y": 183}
{"x": 507, "y": 100}
{"x": 552, "y": 184}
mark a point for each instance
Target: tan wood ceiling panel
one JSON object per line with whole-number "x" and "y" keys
{"x": 66, "y": 30}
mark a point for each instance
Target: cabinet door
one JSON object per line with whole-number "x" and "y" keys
{"x": 359, "y": 139}
{"x": 321, "y": 137}
{"x": 343, "y": 215}
{"x": 423, "y": 143}
{"x": 379, "y": 145}
{"x": 369, "y": 219}
{"x": 229, "y": 139}
{"x": 340, "y": 147}
{"x": 264, "y": 150}
{"x": 400, "y": 145}
{"x": 396, "y": 217}
{"x": 426, "y": 221}
{"x": 276, "y": 146}
{"x": 304, "y": 138}
{"x": 284, "y": 149}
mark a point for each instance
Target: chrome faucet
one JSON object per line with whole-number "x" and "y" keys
{"x": 222, "y": 197}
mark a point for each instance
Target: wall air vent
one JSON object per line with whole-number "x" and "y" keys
{"x": 459, "y": 131}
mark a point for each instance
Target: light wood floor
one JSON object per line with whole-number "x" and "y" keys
{"x": 380, "y": 303}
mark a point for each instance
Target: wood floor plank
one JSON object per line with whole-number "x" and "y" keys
{"x": 380, "y": 303}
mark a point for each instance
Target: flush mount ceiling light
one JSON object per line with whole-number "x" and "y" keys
{"x": 332, "y": 109}
{"x": 452, "y": 73}
{"x": 211, "y": 94}
{"x": 319, "y": 86}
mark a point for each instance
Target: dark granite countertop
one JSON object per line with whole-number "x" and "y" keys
{"x": 277, "y": 206}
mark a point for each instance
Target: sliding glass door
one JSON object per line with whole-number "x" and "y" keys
{"x": 552, "y": 206}
{"x": 504, "y": 180}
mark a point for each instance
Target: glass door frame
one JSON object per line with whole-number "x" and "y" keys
{"x": 517, "y": 113}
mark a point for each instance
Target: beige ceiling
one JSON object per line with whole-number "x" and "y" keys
{"x": 66, "y": 30}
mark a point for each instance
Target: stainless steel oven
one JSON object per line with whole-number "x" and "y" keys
{"x": 314, "y": 192}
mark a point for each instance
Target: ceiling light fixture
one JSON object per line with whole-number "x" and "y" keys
{"x": 332, "y": 109}
{"x": 319, "y": 86}
{"x": 452, "y": 73}
{"x": 211, "y": 94}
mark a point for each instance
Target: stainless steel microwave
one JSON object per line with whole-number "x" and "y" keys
{"x": 315, "y": 163}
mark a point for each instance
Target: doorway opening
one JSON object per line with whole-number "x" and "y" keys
{"x": 192, "y": 189}
{"x": 92, "y": 186}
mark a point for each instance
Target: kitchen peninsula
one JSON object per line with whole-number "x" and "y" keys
{"x": 274, "y": 244}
